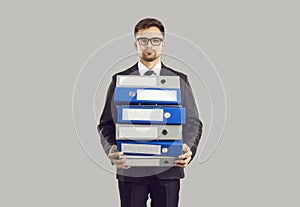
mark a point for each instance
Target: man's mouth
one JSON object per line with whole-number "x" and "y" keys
{"x": 149, "y": 51}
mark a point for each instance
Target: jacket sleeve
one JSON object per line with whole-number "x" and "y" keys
{"x": 106, "y": 126}
{"x": 192, "y": 129}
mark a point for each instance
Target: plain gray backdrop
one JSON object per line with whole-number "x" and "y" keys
{"x": 254, "y": 46}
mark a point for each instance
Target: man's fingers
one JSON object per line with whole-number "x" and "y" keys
{"x": 185, "y": 158}
{"x": 115, "y": 155}
{"x": 113, "y": 149}
{"x": 125, "y": 167}
{"x": 121, "y": 163}
{"x": 185, "y": 148}
{"x": 182, "y": 163}
{"x": 185, "y": 155}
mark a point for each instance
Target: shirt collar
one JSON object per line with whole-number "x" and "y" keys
{"x": 143, "y": 69}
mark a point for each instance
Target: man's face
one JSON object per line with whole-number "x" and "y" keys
{"x": 149, "y": 50}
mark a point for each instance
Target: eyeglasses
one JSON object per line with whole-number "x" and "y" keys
{"x": 154, "y": 41}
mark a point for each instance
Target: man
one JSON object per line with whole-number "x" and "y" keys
{"x": 135, "y": 183}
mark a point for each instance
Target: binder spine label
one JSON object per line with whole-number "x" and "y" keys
{"x": 141, "y": 133}
{"x": 141, "y": 148}
{"x": 142, "y": 162}
{"x": 148, "y": 115}
{"x": 129, "y": 114}
{"x": 130, "y": 81}
{"x": 146, "y": 161}
{"x": 160, "y": 95}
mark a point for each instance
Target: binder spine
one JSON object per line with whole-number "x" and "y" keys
{"x": 148, "y": 81}
{"x": 147, "y": 161}
{"x": 150, "y": 148}
{"x": 151, "y": 115}
{"x": 143, "y": 132}
{"x": 147, "y": 96}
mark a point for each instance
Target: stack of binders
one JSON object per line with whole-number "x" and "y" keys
{"x": 150, "y": 119}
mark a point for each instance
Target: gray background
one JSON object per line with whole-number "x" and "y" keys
{"x": 254, "y": 46}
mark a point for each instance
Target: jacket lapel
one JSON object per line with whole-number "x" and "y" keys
{"x": 134, "y": 70}
{"x": 166, "y": 71}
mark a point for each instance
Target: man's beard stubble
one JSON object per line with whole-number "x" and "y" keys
{"x": 149, "y": 57}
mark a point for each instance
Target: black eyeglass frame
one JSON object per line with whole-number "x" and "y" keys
{"x": 145, "y": 38}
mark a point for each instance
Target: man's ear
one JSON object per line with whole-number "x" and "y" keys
{"x": 163, "y": 45}
{"x": 135, "y": 45}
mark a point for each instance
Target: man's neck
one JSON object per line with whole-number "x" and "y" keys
{"x": 151, "y": 64}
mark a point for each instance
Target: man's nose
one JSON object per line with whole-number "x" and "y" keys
{"x": 149, "y": 44}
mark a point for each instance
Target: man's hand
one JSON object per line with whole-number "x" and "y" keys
{"x": 114, "y": 155}
{"x": 184, "y": 158}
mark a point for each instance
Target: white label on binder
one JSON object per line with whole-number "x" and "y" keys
{"x": 136, "y": 81}
{"x": 162, "y": 95}
{"x": 141, "y": 148}
{"x": 142, "y": 162}
{"x": 135, "y": 132}
{"x": 143, "y": 114}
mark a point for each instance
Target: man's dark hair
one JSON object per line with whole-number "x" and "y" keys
{"x": 149, "y": 22}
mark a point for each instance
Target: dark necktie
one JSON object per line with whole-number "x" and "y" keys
{"x": 149, "y": 72}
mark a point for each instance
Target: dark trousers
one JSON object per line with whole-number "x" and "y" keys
{"x": 163, "y": 193}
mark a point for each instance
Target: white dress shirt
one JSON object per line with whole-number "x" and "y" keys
{"x": 143, "y": 69}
